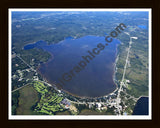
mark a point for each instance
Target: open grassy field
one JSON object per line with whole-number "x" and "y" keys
{"x": 63, "y": 113}
{"x": 28, "y": 97}
{"x": 93, "y": 112}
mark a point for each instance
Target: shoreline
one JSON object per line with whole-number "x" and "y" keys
{"x": 114, "y": 74}
{"x": 141, "y": 97}
{"x": 82, "y": 97}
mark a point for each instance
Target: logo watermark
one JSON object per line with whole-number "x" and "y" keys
{"x": 68, "y": 76}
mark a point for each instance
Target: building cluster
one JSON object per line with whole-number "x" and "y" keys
{"x": 66, "y": 103}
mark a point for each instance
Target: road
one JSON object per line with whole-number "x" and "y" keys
{"x": 26, "y": 63}
{"x": 19, "y": 88}
{"x": 28, "y": 66}
{"x": 122, "y": 83}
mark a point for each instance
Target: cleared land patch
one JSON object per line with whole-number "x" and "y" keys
{"x": 28, "y": 97}
{"x": 93, "y": 112}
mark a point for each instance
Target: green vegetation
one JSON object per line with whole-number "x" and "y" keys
{"x": 15, "y": 96}
{"x": 49, "y": 102}
{"x": 66, "y": 112}
{"x": 81, "y": 107}
{"x": 137, "y": 68}
{"x": 85, "y": 110}
{"x": 127, "y": 103}
{"x": 40, "y": 87}
{"x": 109, "y": 111}
{"x": 28, "y": 97}
{"x": 38, "y": 55}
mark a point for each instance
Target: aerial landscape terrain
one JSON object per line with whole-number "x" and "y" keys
{"x": 79, "y": 63}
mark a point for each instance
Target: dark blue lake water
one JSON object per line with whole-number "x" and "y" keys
{"x": 93, "y": 80}
{"x": 141, "y": 107}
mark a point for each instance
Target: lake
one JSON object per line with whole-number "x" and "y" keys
{"x": 141, "y": 107}
{"x": 93, "y": 80}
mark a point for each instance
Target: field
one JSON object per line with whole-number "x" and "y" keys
{"x": 63, "y": 113}
{"x": 93, "y": 112}
{"x": 28, "y": 97}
